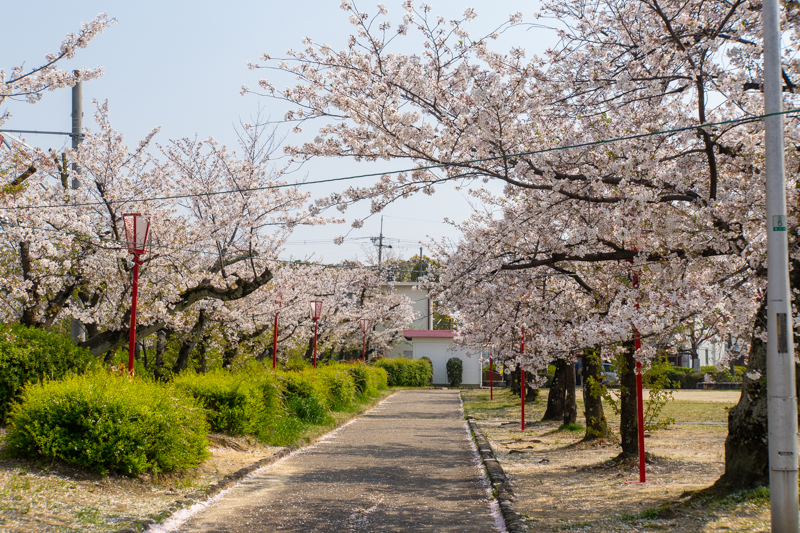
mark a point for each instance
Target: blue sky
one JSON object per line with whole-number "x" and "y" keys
{"x": 181, "y": 65}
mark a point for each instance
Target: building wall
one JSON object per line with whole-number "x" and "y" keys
{"x": 419, "y": 302}
{"x": 438, "y": 351}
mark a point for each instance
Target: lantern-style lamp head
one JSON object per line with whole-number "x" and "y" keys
{"x": 316, "y": 309}
{"x": 364, "y": 325}
{"x": 137, "y": 228}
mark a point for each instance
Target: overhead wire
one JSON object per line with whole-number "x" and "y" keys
{"x": 407, "y": 170}
{"x": 123, "y": 245}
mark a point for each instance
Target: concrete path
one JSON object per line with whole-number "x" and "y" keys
{"x": 405, "y": 466}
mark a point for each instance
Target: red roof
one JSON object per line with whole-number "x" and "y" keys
{"x": 429, "y": 333}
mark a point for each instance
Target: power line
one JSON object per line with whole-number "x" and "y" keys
{"x": 124, "y": 244}
{"x": 416, "y": 169}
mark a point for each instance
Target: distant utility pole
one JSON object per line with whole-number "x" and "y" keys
{"x": 381, "y": 246}
{"x": 419, "y": 275}
{"x": 781, "y": 400}
{"x": 77, "y": 331}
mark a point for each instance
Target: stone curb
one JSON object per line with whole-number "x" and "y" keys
{"x": 213, "y": 488}
{"x": 498, "y": 479}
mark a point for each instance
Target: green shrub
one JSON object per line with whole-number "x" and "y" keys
{"x": 296, "y": 364}
{"x": 406, "y": 372}
{"x": 691, "y": 380}
{"x": 677, "y": 378}
{"x": 430, "y": 363}
{"x": 341, "y": 388}
{"x": 379, "y": 378}
{"x": 305, "y": 396}
{"x": 360, "y": 376}
{"x": 455, "y": 370}
{"x": 724, "y": 375}
{"x": 28, "y": 355}
{"x": 247, "y": 402}
{"x": 109, "y": 423}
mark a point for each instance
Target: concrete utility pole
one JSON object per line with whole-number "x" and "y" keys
{"x": 77, "y": 331}
{"x": 381, "y": 246}
{"x": 782, "y": 403}
{"x": 77, "y": 124}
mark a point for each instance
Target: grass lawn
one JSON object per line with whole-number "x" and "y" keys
{"x": 563, "y": 484}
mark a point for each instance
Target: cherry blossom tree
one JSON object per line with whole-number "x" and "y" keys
{"x": 682, "y": 210}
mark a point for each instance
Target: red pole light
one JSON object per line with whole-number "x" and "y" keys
{"x": 134, "y": 298}
{"x": 316, "y": 312}
{"x": 364, "y": 329}
{"x": 522, "y": 377}
{"x": 137, "y": 229}
{"x": 491, "y": 376}
{"x": 639, "y": 392}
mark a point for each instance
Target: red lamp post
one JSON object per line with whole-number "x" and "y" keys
{"x": 137, "y": 228}
{"x": 491, "y": 375}
{"x": 364, "y": 329}
{"x": 275, "y": 334}
{"x": 316, "y": 311}
{"x": 522, "y": 376}
{"x": 637, "y": 343}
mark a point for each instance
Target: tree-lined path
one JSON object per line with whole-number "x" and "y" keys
{"x": 407, "y": 465}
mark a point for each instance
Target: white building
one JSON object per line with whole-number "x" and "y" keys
{"x": 421, "y": 340}
{"x": 422, "y": 313}
{"x": 437, "y": 345}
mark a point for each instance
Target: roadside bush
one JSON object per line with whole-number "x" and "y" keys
{"x": 28, "y": 355}
{"x": 340, "y": 385}
{"x": 406, "y": 372}
{"x": 296, "y": 364}
{"x": 247, "y": 402}
{"x": 691, "y": 380}
{"x": 109, "y": 423}
{"x": 724, "y": 375}
{"x": 455, "y": 370}
{"x": 677, "y": 376}
{"x": 305, "y": 396}
{"x": 368, "y": 380}
{"x": 430, "y": 363}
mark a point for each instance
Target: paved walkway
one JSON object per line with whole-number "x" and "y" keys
{"x": 405, "y": 466}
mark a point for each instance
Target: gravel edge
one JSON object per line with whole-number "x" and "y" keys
{"x": 213, "y": 488}
{"x": 497, "y": 477}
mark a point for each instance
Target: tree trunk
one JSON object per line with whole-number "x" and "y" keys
{"x": 228, "y": 355}
{"x": 201, "y": 356}
{"x": 189, "y": 344}
{"x": 596, "y": 423}
{"x": 513, "y": 381}
{"x": 557, "y": 395}
{"x": 570, "y": 407}
{"x": 627, "y": 409}
{"x": 161, "y": 348}
{"x": 746, "y": 451}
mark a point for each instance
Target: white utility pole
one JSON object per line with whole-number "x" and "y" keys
{"x": 77, "y": 331}
{"x": 77, "y": 124}
{"x": 782, "y": 403}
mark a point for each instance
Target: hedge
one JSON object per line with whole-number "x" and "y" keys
{"x": 109, "y": 423}
{"x": 28, "y": 355}
{"x": 406, "y": 372}
{"x": 245, "y": 402}
{"x": 455, "y": 369}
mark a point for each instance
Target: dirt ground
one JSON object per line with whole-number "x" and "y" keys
{"x": 562, "y": 484}
{"x": 44, "y": 497}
